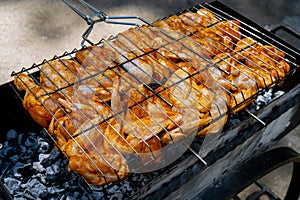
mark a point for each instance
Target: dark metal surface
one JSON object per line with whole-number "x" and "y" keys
{"x": 250, "y": 171}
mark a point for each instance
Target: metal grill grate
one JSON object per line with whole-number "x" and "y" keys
{"x": 135, "y": 102}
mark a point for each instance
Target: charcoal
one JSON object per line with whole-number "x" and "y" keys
{"x": 76, "y": 195}
{"x": 63, "y": 163}
{"x": 267, "y": 97}
{"x": 86, "y": 197}
{"x": 14, "y": 158}
{"x": 116, "y": 196}
{"x": 21, "y": 138}
{"x": 70, "y": 198}
{"x": 36, "y": 188}
{"x": 42, "y": 157}
{"x": 42, "y": 179}
{"x": 38, "y": 167}
{"x": 11, "y": 135}
{"x": 31, "y": 142}
{"x": 21, "y": 196}
{"x": 22, "y": 170}
{"x": 7, "y": 151}
{"x": 54, "y": 154}
{"x": 22, "y": 148}
{"x": 277, "y": 94}
{"x": 44, "y": 147}
{"x": 27, "y": 154}
{"x": 52, "y": 172}
{"x": 4, "y": 168}
{"x": 54, "y": 190}
{"x": 6, "y": 144}
{"x": 12, "y": 184}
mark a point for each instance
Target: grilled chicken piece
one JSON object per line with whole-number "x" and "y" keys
{"x": 95, "y": 85}
{"x": 214, "y": 41}
{"x": 99, "y": 58}
{"x": 59, "y": 75}
{"x": 184, "y": 50}
{"x": 199, "y": 20}
{"x": 123, "y": 45}
{"x": 197, "y": 103}
{"x": 139, "y": 119}
{"x": 167, "y": 30}
{"x": 187, "y": 22}
{"x": 208, "y": 17}
{"x": 230, "y": 28}
{"x": 98, "y": 73}
{"x": 263, "y": 66}
{"x": 138, "y": 38}
{"x": 137, "y": 125}
{"x": 97, "y": 163}
{"x": 157, "y": 36}
{"x": 264, "y": 59}
{"x": 39, "y": 101}
{"x": 24, "y": 82}
{"x": 97, "y": 167}
{"x": 235, "y": 73}
{"x": 240, "y": 82}
{"x": 67, "y": 120}
{"x": 178, "y": 24}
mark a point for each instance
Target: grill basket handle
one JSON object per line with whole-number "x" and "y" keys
{"x": 98, "y": 16}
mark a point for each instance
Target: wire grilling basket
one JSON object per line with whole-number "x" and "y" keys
{"x": 135, "y": 102}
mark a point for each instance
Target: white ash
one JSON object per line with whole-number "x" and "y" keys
{"x": 266, "y": 97}
{"x": 43, "y": 156}
{"x": 11, "y": 135}
{"x": 53, "y": 170}
{"x": 13, "y": 185}
{"x": 43, "y": 146}
{"x": 38, "y": 167}
{"x": 35, "y": 188}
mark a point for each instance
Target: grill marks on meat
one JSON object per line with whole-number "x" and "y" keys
{"x": 67, "y": 120}
{"x": 148, "y": 87}
{"x": 41, "y": 99}
{"x": 89, "y": 157}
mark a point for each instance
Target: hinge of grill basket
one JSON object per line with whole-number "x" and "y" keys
{"x": 98, "y": 16}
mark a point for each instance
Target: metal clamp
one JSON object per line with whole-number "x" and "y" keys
{"x": 99, "y": 16}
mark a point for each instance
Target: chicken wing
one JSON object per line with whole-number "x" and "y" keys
{"x": 39, "y": 101}
{"x": 67, "y": 120}
{"x": 59, "y": 75}
{"x": 88, "y": 157}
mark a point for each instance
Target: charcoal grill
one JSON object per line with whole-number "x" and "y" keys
{"x": 223, "y": 155}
